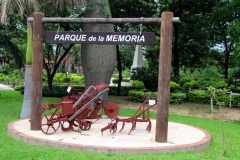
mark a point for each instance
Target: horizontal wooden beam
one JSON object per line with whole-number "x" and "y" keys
{"x": 103, "y": 20}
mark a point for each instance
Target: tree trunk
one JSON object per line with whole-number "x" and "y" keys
{"x": 98, "y": 61}
{"x": 226, "y": 61}
{"x": 50, "y": 80}
{"x": 26, "y": 107}
{"x": 119, "y": 65}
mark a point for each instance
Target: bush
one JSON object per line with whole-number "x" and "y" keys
{"x": 124, "y": 90}
{"x": 114, "y": 81}
{"x": 7, "y": 80}
{"x": 194, "y": 84}
{"x": 76, "y": 77}
{"x": 126, "y": 73}
{"x": 234, "y": 89}
{"x": 187, "y": 85}
{"x": 138, "y": 84}
{"x": 199, "y": 97}
{"x": 116, "y": 76}
{"x": 209, "y": 76}
{"x": 66, "y": 79}
{"x": 235, "y": 100}
{"x": 2, "y": 76}
{"x": 78, "y": 80}
{"x": 58, "y": 77}
{"x": 174, "y": 87}
{"x": 148, "y": 75}
{"x": 183, "y": 80}
{"x": 220, "y": 85}
{"x": 138, "y": 96}
{"x": 57, "y": 91}
{"x": 19, "y": 88}
{"x": 177, "y": 98}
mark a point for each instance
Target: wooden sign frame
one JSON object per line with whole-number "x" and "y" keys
{"x": 165, "y": 56}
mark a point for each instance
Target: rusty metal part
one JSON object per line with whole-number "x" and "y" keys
{"x": 90, "y": 98}
{"x": 50, "y": 124}
{"x": 111, "y": 110}
{"x": 141, "y": 112}
{"x": 48, "y": 106}
{"x": 74, "y": 110}
{"x": 98, "y": 104}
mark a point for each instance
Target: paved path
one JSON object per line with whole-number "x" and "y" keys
{"x": 181, "y": 138}
{"x": 5, "y": 87}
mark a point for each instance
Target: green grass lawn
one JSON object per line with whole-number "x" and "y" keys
{"x": 11, "y": 149}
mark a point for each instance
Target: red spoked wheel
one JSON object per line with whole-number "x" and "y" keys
{"x": 50, "y": 125}
{"x": 86, "y": 125}
{"x": 111, "y": 110}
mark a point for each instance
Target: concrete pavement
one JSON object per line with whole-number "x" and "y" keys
{"x": 5, "y": 87}
{"x": 181, "y": 138}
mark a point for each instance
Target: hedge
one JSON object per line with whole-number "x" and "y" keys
{"x": 138, "y": 96}
{"x": 124, "y": 90}
{"x": 61, "y": 90}
{"x": 199, "y": 97}
{"x": 203, "y": 97}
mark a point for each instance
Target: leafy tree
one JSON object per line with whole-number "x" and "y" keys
{"x": 208, "y": 76}
{"x": 75, "y": 54}
{"x": 192, "y": 36}
{"x": 234, "y": 75}
{"x": 26, "y": 7}
{"x": 224, "y": 18}
{"x": 23, "y": 7}
{"x": 122, "y": 9}
{"x": 56, "y": 53}
{"x": 126, "y": 55}
{"x": 12, "y": 42}
{"x": 191, "y": 39}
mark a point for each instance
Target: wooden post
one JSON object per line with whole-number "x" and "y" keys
{"x": 37, "y": 66}
{"x": 164, "y": 75}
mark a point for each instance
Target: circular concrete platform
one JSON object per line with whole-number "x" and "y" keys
{"x": 181, "y": 138}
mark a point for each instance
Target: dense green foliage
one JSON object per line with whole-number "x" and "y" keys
{"x": 138, "y": 84}
{"x": 195, "y": 96}
{"x": 123, "y": 92}
{"x": 174, "y": 87}
{"x": 15, "y": 149}
{"x": 206, "y": 37}
{"x": 139, "y": 96}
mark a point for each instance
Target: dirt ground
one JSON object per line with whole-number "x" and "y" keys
{"x": 186, "y": 109}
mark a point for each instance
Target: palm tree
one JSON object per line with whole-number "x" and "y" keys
{"x": 26, "y": 8}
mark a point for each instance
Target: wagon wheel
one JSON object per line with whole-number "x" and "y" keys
{"x": 50, "y": 125}
{"x": 113, "y": 128}
{"x": 85, "y": 125}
